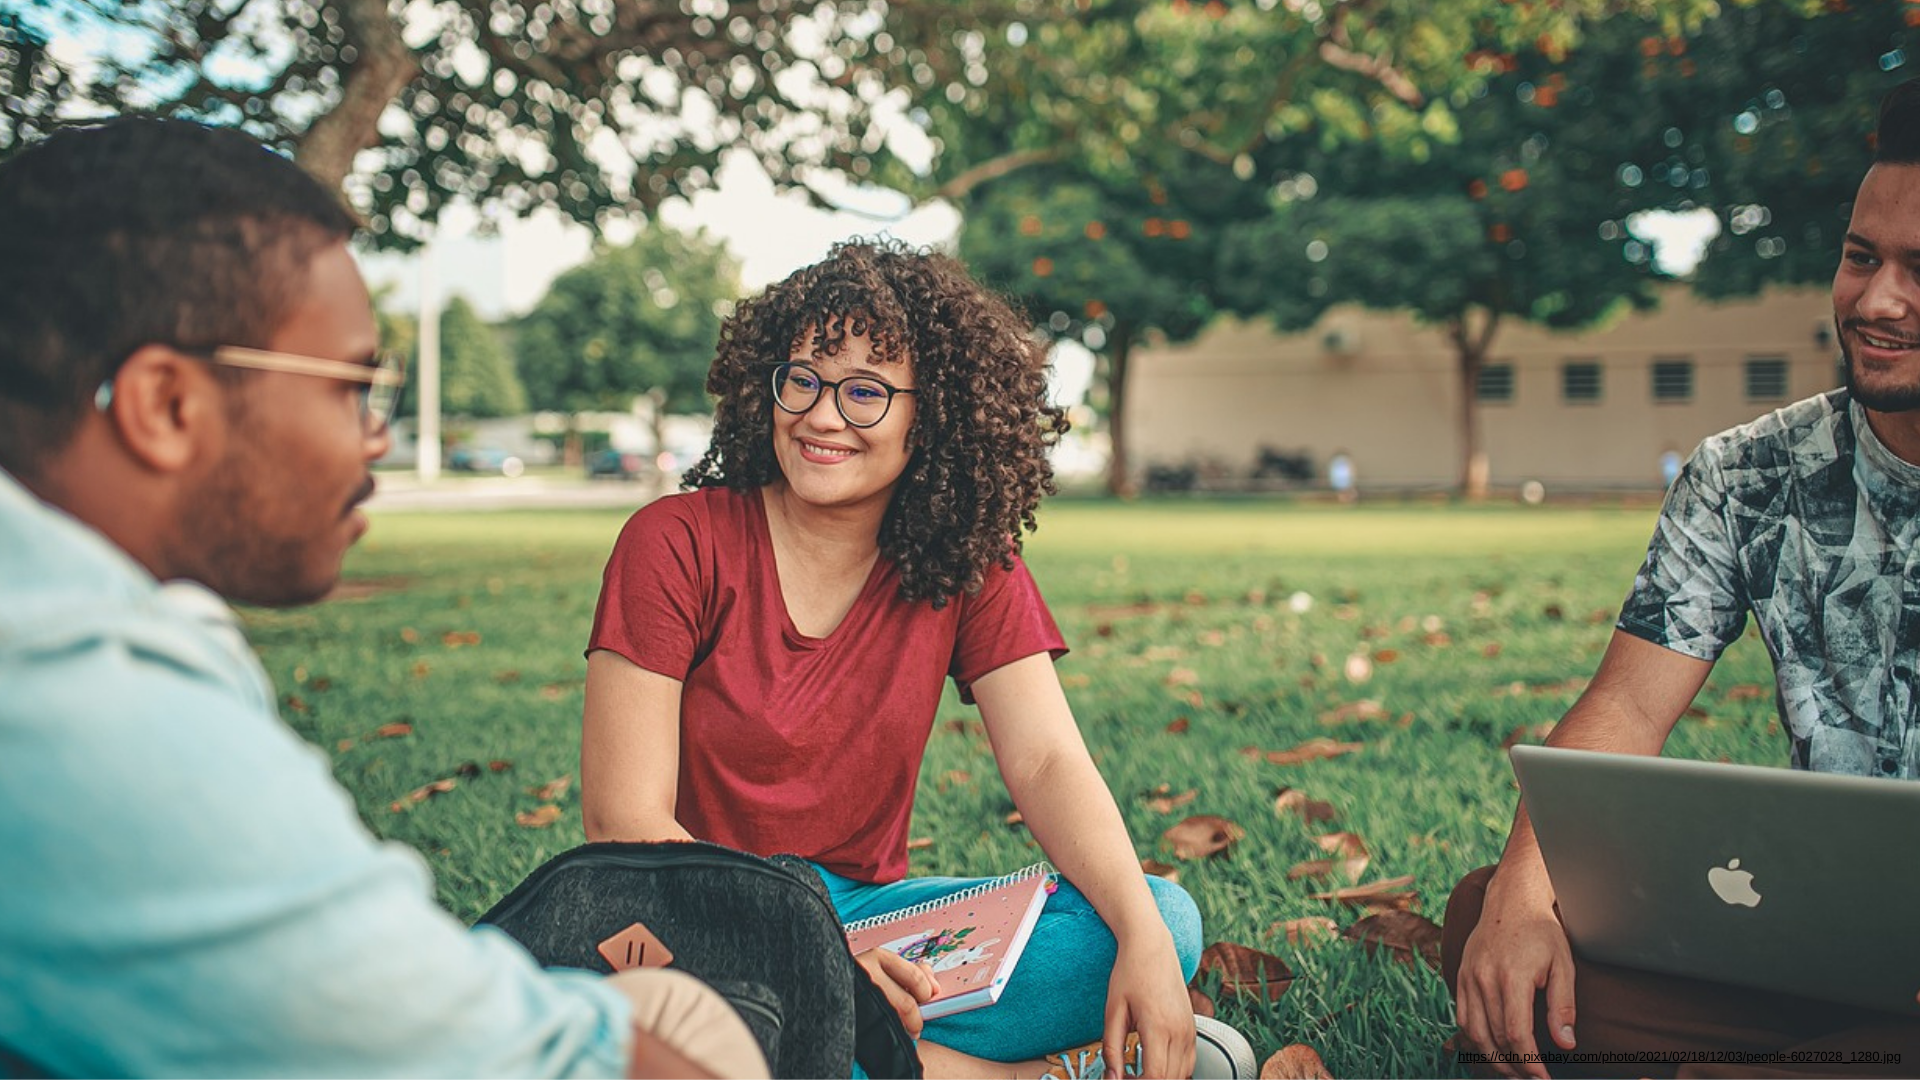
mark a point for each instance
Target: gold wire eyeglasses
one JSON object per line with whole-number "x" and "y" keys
{"x": 381, "y": 380}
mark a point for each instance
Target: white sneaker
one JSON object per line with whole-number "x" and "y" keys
{"x": 1221, "y": 1053}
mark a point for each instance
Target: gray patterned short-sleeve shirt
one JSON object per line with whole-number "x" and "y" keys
{"x": 1806, "y": 519}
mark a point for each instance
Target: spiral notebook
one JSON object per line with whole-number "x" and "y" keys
{"x": 972, "y": 939}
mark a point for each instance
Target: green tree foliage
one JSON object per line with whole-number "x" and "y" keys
{"x": 1778, "y": 112}
{"x": 477, "y": 378}
{"x": 591, "y": 106}
{"x": 634, "y": 319}
{"x": 1138, "y": 114}
{"x": 1106, "y": 261}
{"x": 1527, "y": 214}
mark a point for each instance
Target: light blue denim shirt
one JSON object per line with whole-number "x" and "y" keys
{"x": 185, "y": 890}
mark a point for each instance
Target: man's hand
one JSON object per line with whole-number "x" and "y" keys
{"x": 1517, "y": 948}
{"x": 905, "y": 983}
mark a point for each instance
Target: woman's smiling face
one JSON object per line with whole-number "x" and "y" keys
{"x": 826, "y": 460}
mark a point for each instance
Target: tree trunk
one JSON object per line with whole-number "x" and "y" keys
{"x": 381, "y": 69}
{"x": 1471, "y": 349}
{"x": 1120, "y": 348}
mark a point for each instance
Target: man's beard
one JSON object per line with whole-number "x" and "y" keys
{"x": 1886, "y": 399}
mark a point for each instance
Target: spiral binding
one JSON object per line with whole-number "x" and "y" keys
{"x": 1025, "y": 874}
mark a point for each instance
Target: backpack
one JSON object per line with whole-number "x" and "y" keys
{"x": 760, "y": 931}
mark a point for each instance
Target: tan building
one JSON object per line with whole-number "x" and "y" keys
{"x": 1590, "y": 410}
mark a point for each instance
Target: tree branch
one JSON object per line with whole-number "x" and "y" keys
{"x": 1379, "y": 69}
{"x": 382, "y": 67}
{"x": 993, "y": 169}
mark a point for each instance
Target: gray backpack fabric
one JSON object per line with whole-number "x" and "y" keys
{"x": 760, "y": 931}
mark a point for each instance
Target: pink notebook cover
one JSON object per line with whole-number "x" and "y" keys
{"x": 972, "y": 939}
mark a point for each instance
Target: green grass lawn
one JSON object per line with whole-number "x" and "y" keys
{"x": 1189, "y": 647}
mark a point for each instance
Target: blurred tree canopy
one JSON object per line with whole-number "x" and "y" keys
{"x": 476, "y": 375}
{"x": 591, "y": 106}
{"x": 1105, "y": 261}
{"x": 1529, "y": 213}
{"x": 1104, "y": 159}
{"x": 635, "y": 318}
{"x": 1483, "y": 169}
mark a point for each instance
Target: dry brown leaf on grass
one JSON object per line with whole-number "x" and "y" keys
{"x": 539, "y": 817}
{"x": 1748, "y": 692}
{"x": 1406, "y": 934}
{"x": 1528, "y": 733}
{"x": 1245, "y": 971}
{"x": 1296, "y": 1062}
{"x": 1320, "y": 869}
{"x": 1014, "y": 819}
{"x": 1313, "y": 750}
{"x": 1162, "y": 803}
{"x": 1352, "y": 711}
{"x": 422, "y": 794}
{"x": 955, "y": 778}
{"x": 1386, "y": 656}
{"x": 392, "y": 731}
{"x": 1310, "y": 930}
{"x": 1344, "y": 845}
{"x": 1292, "y": 800}
{"x": 1389, "y": 893}
{"x": 1160, "y": 869}
{"x": 1179, "y": 726}
{"x": 1202, "y": 835}
{"x": 1183, "y": 677}
{"x": 453, "y": 639}
{"x": 499, "y": 765}
{"x": 552, "y": 789}
{"x": 920, "y": 843}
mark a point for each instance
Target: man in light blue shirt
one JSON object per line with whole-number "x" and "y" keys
{"x": 190, "y": 399}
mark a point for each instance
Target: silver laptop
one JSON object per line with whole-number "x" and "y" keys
{"x": 1791, "y": 881}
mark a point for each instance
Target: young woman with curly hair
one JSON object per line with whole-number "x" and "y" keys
{"x": 770, "y": 649}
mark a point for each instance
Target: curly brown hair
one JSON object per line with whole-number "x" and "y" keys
{"x": 982, "y": 426}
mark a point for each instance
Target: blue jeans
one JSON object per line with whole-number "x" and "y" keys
{"x": 1057, "y": 997}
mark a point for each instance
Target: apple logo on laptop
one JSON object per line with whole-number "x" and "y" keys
{"x": 1733, "y": 885}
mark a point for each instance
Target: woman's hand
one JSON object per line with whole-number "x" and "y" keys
{"x": 1146, "y": 995}
{"x": 905, "y": 983}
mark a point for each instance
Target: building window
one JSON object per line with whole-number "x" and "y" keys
{"x": 1672, "y": 381}
{"x": 1580, "y": 382}
{"x": 1766, "y": 378}
{"x": 1496, "y": 383}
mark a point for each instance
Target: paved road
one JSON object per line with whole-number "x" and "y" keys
{"x": 403, "y": 491}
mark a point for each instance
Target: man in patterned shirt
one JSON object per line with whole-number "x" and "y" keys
{"x": 1807, "y": 518}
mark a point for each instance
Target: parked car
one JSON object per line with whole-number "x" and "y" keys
{"x": 618, "y": 464}
{"x": 485, "y": 459}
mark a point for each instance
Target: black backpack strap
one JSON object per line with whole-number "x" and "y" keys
{"x": 880, "y": 1044}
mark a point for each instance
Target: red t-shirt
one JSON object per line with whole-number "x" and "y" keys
{"x": 791, "y": 743}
